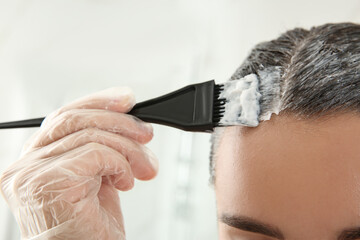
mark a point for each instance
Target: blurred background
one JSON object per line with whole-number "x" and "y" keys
{"x": 52, "y": 52}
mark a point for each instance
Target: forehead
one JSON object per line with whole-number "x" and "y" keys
{"x": 288, "y": 171}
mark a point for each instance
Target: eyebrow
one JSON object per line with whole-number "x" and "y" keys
{"x": 251, "y": 225}
{"x": 350, "y": 234}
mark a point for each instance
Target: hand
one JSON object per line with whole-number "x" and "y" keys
{"x": 64, "y": 186}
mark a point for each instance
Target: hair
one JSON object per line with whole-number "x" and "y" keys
{"x": 319, "y": 73}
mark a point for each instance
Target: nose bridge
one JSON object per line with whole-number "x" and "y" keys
{"x": 313, "y": 236}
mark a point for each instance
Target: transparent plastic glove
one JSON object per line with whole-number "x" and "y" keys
{"x": 64, "y": 186}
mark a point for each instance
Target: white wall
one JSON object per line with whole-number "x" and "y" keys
{"x": 54, "y": 51}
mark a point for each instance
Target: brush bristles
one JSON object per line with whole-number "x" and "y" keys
{"x": 219, "y": 104}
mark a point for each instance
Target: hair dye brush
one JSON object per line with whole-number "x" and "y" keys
{"x": 197, "y": 107}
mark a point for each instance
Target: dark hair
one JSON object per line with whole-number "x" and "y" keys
{"x": 319, "y": 72}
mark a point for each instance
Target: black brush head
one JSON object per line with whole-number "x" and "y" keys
{"x": 190, "y": 108}
{"x": 219, "y": 104}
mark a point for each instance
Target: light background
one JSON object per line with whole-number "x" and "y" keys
{"x": 53, "y": 51}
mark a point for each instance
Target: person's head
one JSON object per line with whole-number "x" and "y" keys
{"x": 299, "y": 171}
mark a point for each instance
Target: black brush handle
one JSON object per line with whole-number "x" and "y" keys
{"x": 36, "y": 122}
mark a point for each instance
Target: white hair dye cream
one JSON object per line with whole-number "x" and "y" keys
{"x": 243, "y": 97}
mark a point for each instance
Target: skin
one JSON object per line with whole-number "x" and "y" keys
{"x": 300, "y": 176}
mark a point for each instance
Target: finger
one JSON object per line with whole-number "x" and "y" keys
{"x": 78, "y": 119}
{"x": 110, "y": 201}
{"x": 143, "y": 162}
{"x": 27, "y": 145}
{"x": 90, "y": 160}
{"x": 117, "y": 99}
